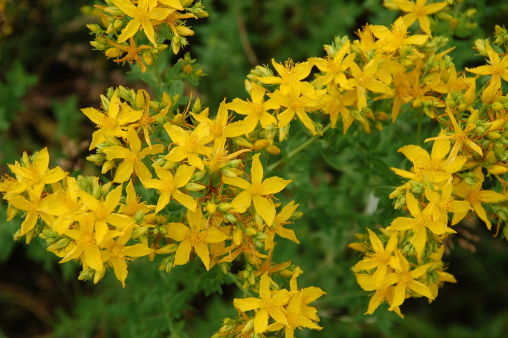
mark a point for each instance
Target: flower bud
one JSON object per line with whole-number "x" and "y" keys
{"x": 497, "y": 169}
{"x": 194, "y": 186}
{"x": 211, "y": 208}
{"x": 138, "y": 232}
{"x": 250, "y": 231}
{"x": 228, "y": 173}
{"x": 241, "y": 142}
{"x": 225, "y": 207}
{"x": 184, "y": 31}
{"x": 113, "y": 52}
{"x": 260, "y": 144}
{"x": 230, "y": 218}
{"x": 237, "y": 236}
{"x": 178, "y": 119}
{"x": 272, "y": 149}
{"x": 493, "y": 135}
{"x": 94, "y": 28}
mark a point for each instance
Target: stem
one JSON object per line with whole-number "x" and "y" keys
{"x": 419, "y": 128}
{"x": 235, "y": 280}
{"x": 298, "y": 149}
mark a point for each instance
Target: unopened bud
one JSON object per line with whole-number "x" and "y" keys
{"x": 113, "y": 52}
{"x": 211, "y": 207}
{"x": 225, "y": 207}
{"x": 260, "y": 144}
{"x": 241, "y": 142}
{"x": 194, "y": 187}
{"x": 228, "y": 173}
{"x": 94, "y": 28}
{"x": 230, "y": 218}
{"x": 178, "y": 119}
{"x": 237, "y": 236}
{"x": 272, "y": 149}
{"x": 250, "y": 231}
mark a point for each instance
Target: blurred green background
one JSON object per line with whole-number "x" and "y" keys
{"x": 48, "y": 71}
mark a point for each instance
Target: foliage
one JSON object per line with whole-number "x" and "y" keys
{"x": 201, "y": 187}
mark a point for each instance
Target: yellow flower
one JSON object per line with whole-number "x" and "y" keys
{"x": 459, "y": 136}
{"x": 117, "y": 253}
{"x": 104, "y": 212}
{"x": 382, "y": 293}
{"x": 256, "y": 111}
{"x": 147, "y": 120}
{"x": 113, "y": 123}
{"x": 34, "y": 208}
{"x": 419, "y": 11}
{"x": 132, "y": 158}
{"x": 86, "y": 248}
{"x": 268, "y": 305}
{"x": 405, "y": 281}
{"x": 498, "y": 68}
{"x": 220, "y": 157}
{"x": 132, "y": 52}
{"x": 366, "y": 79}
{"x": 442, "y": 203}
{"x": 475, "y": 196}
{"x": 196, "y": 237}
{"x": 168, "y": 186}
{"x": 299, "y": 100}
{"x": 64, "y": 204}
{"x": 142, "y": 16}
{"x": 381, "y": 258}
{"x": 256, "y": 190}
{"x": 431, "y": 167}
{"x": 419, "y": 224}
{"x": 132, "y": 203}
{"x": 334, "y": 68}
{"x": 290, "y": 75}
{"x": 34, "y": 173}
{"x": 189, "y": 145}
{"x": 219, "y": 127}
{"x": 336, "y": 104}
{"x": 298, "y": 314}
{"x": 391, "y": 41}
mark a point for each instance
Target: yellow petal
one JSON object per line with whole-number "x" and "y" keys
{"x": 124, "y": 172}
{"x": 261, "y": 321}
{"x": 273, "y": 185}
{"x": 183, "y": 252}
{"x": 264, "y": 208}
{"x": 183, "y": 175}
{"x": 130, "y": 30}
{"x": 177, "y": 231}
{"x": 247, "y": 304}
{"x": 203, "y": 253}
{"x": 120, "y": 268}
{"x": 186, "y": 200}
{"x": 242, "y": 202}
{"x": 256, "y": 170}
{"x": 237, "y": 182}
{"x": 214, "y": 235}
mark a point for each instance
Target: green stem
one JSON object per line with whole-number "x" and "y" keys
{"x": 235, "y": 280}
{"x": 419, "y": 128}
{"x": 298, "y": 149}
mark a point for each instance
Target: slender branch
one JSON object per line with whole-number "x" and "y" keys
{"x": 298, "y": 149}
{"x": 244, "y": 39}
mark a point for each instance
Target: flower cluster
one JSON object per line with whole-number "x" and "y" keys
{"x": 158, "y": 20}
{"x": 207, "y": 193}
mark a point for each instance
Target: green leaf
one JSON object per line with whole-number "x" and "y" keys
{"x": 68, "y": 116}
